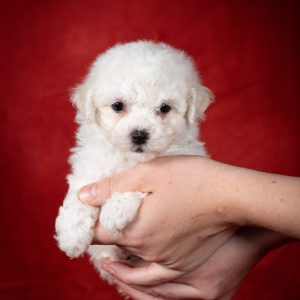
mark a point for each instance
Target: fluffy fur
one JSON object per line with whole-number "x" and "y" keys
{"x": 142, "y": 76}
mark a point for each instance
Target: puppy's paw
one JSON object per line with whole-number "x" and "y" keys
{"x": 120, "y": 210}
{"x": 74, "y": 246}
{"x": 74, "y": 230}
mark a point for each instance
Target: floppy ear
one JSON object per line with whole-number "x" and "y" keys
{"x": 82, "y": 98}
{"x": 201, "y": 97}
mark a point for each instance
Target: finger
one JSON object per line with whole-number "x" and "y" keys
{"x": 133, "y": 293}
{"x": 96, "y": 193}
{"x": 146, "y": 275}
{"x": 104, "y": 237}
{"x": 170, "y": 291}
{"x": 134, "y": 180}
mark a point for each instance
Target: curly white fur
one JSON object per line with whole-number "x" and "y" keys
{"x": 142, "y": 75}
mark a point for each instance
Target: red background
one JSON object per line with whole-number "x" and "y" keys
{"x": 248, "y": 54}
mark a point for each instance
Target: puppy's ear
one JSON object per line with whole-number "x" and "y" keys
{"x": 200, "y": 98}
{"x": 82, "y": 98}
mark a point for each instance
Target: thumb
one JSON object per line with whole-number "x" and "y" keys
{"x": 96, "y": 193}
{"x": 133, "y": 179}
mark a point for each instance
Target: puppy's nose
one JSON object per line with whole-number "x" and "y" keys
{"x": 139, "y": 137}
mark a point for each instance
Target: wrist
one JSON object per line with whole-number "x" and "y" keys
{"x": 224, "y": 189}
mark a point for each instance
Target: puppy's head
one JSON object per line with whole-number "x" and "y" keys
{"x": 143, "y": 95}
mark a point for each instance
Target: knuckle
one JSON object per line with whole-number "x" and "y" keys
{"x": 130, "y": 241}
{"x": 136, "y": 244}
{"x": 152, "y": 257}
{"x": 134, "y": 238}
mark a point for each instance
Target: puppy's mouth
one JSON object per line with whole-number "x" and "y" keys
{"x": 139, "y": 149}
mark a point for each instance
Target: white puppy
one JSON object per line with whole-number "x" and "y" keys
{"x": 139, "y": 101}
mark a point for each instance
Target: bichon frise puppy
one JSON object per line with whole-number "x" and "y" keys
{"x": 139, "y": 101}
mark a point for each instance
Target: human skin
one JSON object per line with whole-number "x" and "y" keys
{"x": 218, "y": 278}
{"x": 193, "y": 207}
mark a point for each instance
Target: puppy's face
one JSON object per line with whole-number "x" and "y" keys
{"x": 142, "y": 123}
{"x": 143, "y": 96}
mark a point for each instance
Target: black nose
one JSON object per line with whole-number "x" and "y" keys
{"x": 139, "y": 137}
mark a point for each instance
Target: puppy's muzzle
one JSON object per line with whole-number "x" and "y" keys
{"x": 139, "y": 137}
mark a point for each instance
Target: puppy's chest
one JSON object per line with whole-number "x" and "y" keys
{"x": 89, "y": 166}
{"x": 96, "y": 168}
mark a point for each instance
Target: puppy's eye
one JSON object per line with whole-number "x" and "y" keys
{"x": 165, "y": 108}
{"x": 118, "y": 106}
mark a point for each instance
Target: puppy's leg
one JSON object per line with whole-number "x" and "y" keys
{"x": 120, "y": 209}
{"x": 74, "y": 225}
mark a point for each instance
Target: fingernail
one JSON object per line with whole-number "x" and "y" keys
{"x": 88, "y": 193}
{"x": 105, "y": 262}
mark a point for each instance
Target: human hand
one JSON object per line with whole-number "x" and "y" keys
{"x": 182, "y": 221}
{"x": 218, "y": 278}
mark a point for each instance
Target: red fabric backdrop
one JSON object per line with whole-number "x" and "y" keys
{"x": 248, "y": 54}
